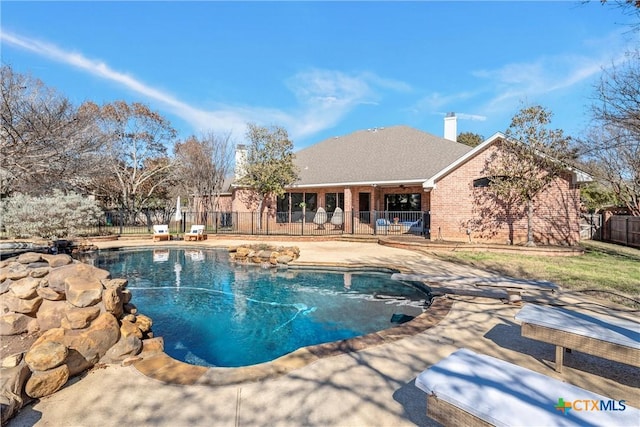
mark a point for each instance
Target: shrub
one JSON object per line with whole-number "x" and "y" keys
{"x": 51, "y": 217}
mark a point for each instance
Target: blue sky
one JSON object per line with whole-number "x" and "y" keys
{"x": 322, "y": 69}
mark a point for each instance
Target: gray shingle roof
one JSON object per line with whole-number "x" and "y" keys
{"x": 383, "y": 155}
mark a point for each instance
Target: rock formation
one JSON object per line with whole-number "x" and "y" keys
{"x": 82, "y": 316}
{"x": 264, "y": 255}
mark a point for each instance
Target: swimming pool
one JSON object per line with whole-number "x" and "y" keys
{"x": 213, "y": 312}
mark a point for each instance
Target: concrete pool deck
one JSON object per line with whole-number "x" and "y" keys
{"x": 370, "y": 387}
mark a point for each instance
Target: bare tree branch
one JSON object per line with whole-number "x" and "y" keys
{"x": 613, "y": 143}
{"x": 136, "y": 151}
{"x": 45, "y": 142}
{"x": 203, "y": 165}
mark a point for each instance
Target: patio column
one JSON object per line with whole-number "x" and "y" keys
{"x": 348, "y": 210}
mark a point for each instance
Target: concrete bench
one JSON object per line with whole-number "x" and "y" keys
{"x": 469, "y": 389}
{"x": 613, "y": 339}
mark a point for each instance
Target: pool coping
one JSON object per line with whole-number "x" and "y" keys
{"x": 159, "y": 366}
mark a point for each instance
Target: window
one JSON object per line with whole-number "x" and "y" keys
{"x": 403, "y": 202}
{"x": 481, "y": 182}
{"x": 486, "y": 181}
{"x": 333, "y": 201}
{"x": 283, "y": 203}
{"x": 311, "y": 201}
{"x": 290, "y": 206}
{"x": 296, "y": 201}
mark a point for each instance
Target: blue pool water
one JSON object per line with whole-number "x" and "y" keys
{"x": 213, "y": 312}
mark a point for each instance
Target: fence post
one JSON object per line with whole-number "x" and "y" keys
{"x": 353, "y": 222}
{"x": 148, "y": 216}
{"x": 375, "y": 222}
{"x": 626, "y": 231}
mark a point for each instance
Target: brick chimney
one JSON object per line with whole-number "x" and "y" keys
{"x": 451, "y": 127}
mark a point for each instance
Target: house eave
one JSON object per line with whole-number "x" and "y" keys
{"x": 389, "y": 183}
{"x": 578, "y": 176}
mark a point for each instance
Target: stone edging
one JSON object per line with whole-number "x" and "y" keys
{"x": 471, "y": 247}
{"x": 163, "y": 368}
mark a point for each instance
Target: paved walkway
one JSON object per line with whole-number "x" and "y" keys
{"x": 371, "y": 387}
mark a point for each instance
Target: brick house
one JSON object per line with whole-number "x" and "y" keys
{"x": 424, "y": 183}
{"x": 462, "y": 208}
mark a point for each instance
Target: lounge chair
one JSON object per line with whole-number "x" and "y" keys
{"x": 414, "y": 227}
{"x": 382, "y": 226}
{"x": 160, "y": 232}
{"x": 470, "y": 389}
{"x": 613, "y": 339}
{"x": 337, "y": 219}
{"x": 196, "y": 233}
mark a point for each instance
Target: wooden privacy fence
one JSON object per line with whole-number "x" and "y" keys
{"x": 624, "y": 229}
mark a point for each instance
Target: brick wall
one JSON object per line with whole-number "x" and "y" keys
{"x": 460, "y": 212}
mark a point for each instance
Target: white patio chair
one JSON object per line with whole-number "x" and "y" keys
{"x": 160, "y": 232}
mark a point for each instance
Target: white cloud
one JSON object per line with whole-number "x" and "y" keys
{"x": 395, "y": 85}
{"x": 224, "y": 120}
{"x": 325, "y": 96}
{"x": 329, "y": 88}
{"x": 472, "y": 117}
{"x": 518, "y": 81}
{"x": 436, "y": 102}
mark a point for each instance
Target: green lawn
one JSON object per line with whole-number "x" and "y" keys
{"x": 604, "y": 267}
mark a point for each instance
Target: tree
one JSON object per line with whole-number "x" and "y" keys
{"x": 595, "y": 196}
{"x": 471, "y": 139}
{"x": 203, "y": 164}
{"x": 530, "y": 158}
{"x": 136, "y": 153}
{"x": 45, "y": 142}
{"x": 613, "y": 143}
{"x": 268, "y": 168}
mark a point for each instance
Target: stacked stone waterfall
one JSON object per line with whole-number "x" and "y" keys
{"x": 264, "y": 255}
{"x": 83, "y": 317}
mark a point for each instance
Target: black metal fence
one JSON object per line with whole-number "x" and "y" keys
{"x": 303, "y": 223}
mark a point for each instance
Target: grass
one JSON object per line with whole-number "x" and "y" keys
{"x": 605, "y": 270}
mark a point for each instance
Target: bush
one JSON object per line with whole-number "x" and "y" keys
{"x": 50, "y": 217}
